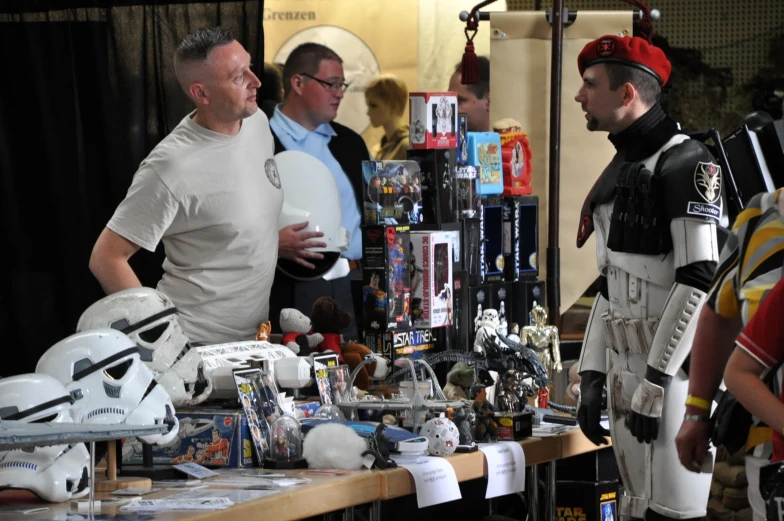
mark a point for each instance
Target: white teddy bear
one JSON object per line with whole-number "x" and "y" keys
{"x": 295, "y": 327}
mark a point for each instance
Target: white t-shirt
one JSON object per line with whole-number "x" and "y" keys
{"x": 214, "y": 201}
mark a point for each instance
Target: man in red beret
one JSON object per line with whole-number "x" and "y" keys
{"x": 655, "y": 209}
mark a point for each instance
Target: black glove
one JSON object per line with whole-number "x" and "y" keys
{"x": 644, "y": 418}
{"x": 589, "y": 414}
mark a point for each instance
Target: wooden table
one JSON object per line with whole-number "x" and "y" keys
{"x": 333, "y": 493}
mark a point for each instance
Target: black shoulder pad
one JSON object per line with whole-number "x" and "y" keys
{"x": 690, "y": 182}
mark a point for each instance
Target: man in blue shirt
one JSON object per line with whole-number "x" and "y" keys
{"x": 313, "y": 83}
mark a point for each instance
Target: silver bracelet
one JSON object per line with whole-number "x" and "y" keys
{"x": 696, "y": 418}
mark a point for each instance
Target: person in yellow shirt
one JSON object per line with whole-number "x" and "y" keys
{"x": 386, "y": 98}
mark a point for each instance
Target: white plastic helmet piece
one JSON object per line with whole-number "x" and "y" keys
{"x": 102, "y": 370}
{"x": 149, "y": 318}
{"x": 311, "y": 194}
{"x": 55, "y": 473}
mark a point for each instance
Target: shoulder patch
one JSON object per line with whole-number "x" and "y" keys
{"x": 271, "y": 168}
{"x": 707, "y": 181}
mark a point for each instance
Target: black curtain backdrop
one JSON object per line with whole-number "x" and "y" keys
{"x": 87, "y": 92}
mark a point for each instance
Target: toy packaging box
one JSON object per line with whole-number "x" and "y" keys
{"x": 397, "y": 344}
{"x": 484, "y": 152}
{"x": 439, "y": 201}
{"x": 492, "y": 258}
{"x": 209, "y": 437}
{"x": 431, "y": 284}
{"x": 433, "y": 119}
{"x": 516, "y": 160}
{"x": 386, "y": 277}
{"x": 392, "y": 192}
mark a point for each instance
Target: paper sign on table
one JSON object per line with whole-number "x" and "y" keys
{"x": 435, "y": 479}
{"x": 505, "y": 468}
{"x": 208, "y": 503}
{"x": 195, "y": 470}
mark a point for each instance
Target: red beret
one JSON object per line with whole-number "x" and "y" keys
{"x": 633, "y": 51}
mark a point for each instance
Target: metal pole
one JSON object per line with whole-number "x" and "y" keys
{"x": 533, "y": 494}
{"x": 559, "y": 15}
{"x": 551, "y": 489}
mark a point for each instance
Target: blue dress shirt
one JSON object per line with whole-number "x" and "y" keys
{"x": 294, "y": 136}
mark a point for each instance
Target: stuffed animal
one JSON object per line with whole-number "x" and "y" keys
{"x": 354, "y": 354}
{"x": 295, "y": 327}
{"x": 328, "y": 319}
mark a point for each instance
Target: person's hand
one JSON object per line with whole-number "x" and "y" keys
{"x": 692, "y": 443}
{"x": 293, "y": 244}
{"x": 589, "y": 410}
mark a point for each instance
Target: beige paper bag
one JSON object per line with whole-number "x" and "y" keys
{"x": 520, "y": 54}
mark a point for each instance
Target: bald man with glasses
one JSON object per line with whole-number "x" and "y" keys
{"x": 313, "y": 85}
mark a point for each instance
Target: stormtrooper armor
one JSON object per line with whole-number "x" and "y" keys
{"x": 149, "y": 318}
{"x": 54, "y": 473}
{"x": 644, "y": 325}
{"x": 102, "y": 370}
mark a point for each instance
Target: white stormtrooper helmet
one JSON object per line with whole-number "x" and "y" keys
{"x": 55, "y": 473}
{"x": 102, "y": 370}
{"x": 490, "y": 319}
{"x": 149, "y": 318}
{"x": 311, "y": 194}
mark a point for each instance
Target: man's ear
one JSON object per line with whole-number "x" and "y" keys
{"x": 297, "y": 83}
{"x": 199, "y": 93}
{"x": 629, "y": 94}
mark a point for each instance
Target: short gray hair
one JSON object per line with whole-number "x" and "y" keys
{"x": 197, "y": 46}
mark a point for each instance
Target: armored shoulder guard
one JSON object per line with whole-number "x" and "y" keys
{"x": 690, "y": 182}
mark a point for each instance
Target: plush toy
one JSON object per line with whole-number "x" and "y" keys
{"x": 354, "y": 354}
{"x": 295, "y": 327}
{"x": 333, "y": 446}
{"x": 328, "y": 319}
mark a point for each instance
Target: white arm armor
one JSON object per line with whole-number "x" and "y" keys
{"x": 593, "y": 356}
{"x": 693, "y": 240}
{"x": 675, "y": 332}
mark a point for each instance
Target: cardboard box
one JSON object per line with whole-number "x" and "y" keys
{"x": 526, "y": 237}
{"x": 432, "y": 285}
{"x": 392, "y": 192}
{"x": 586, "y": 501}
{"x": 209, "y": 437}
{"x": 492, "y": 261}
{"x": 433, "y": 120}
{"x": 386, "y": 274}
{"x": 396, "y": 344}
{"x": 513, "y": 426}
{"x": 484, "y": 152}
{"x": 526, "y": 294}
{"x": 439, "y": 200}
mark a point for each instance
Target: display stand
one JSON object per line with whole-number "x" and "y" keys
{"x": 112, "y": 481}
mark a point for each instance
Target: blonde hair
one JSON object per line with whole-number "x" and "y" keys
{"x": 390, "y": 89}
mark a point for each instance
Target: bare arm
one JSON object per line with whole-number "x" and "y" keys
{"x": 742, "y": 377}
{"x": 713, "y": 343}
{"x": 109, "y": 262}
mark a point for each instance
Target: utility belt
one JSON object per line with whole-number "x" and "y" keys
{"x": 629, "y": 335}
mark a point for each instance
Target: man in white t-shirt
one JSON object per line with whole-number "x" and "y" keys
{"x": 210, "y": 191}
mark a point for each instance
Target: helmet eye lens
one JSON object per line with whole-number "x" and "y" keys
{"x": 116, "y": 372}
{"x": 152, "y": 335}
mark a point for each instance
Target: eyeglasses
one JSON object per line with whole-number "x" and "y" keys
{"x": 333, "y": 87}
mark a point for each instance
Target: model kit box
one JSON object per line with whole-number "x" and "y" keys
{"x": 386, "y": 274}
{"x": 439, "y": 201}
{"x": 513, "y": 426}
{"x": 392, "y": 192}
{"x": 522, "y": 228}
{"x": 209, "y": 437}
{"x": 431, "y": 284}
{"x": 433, "y": 120}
